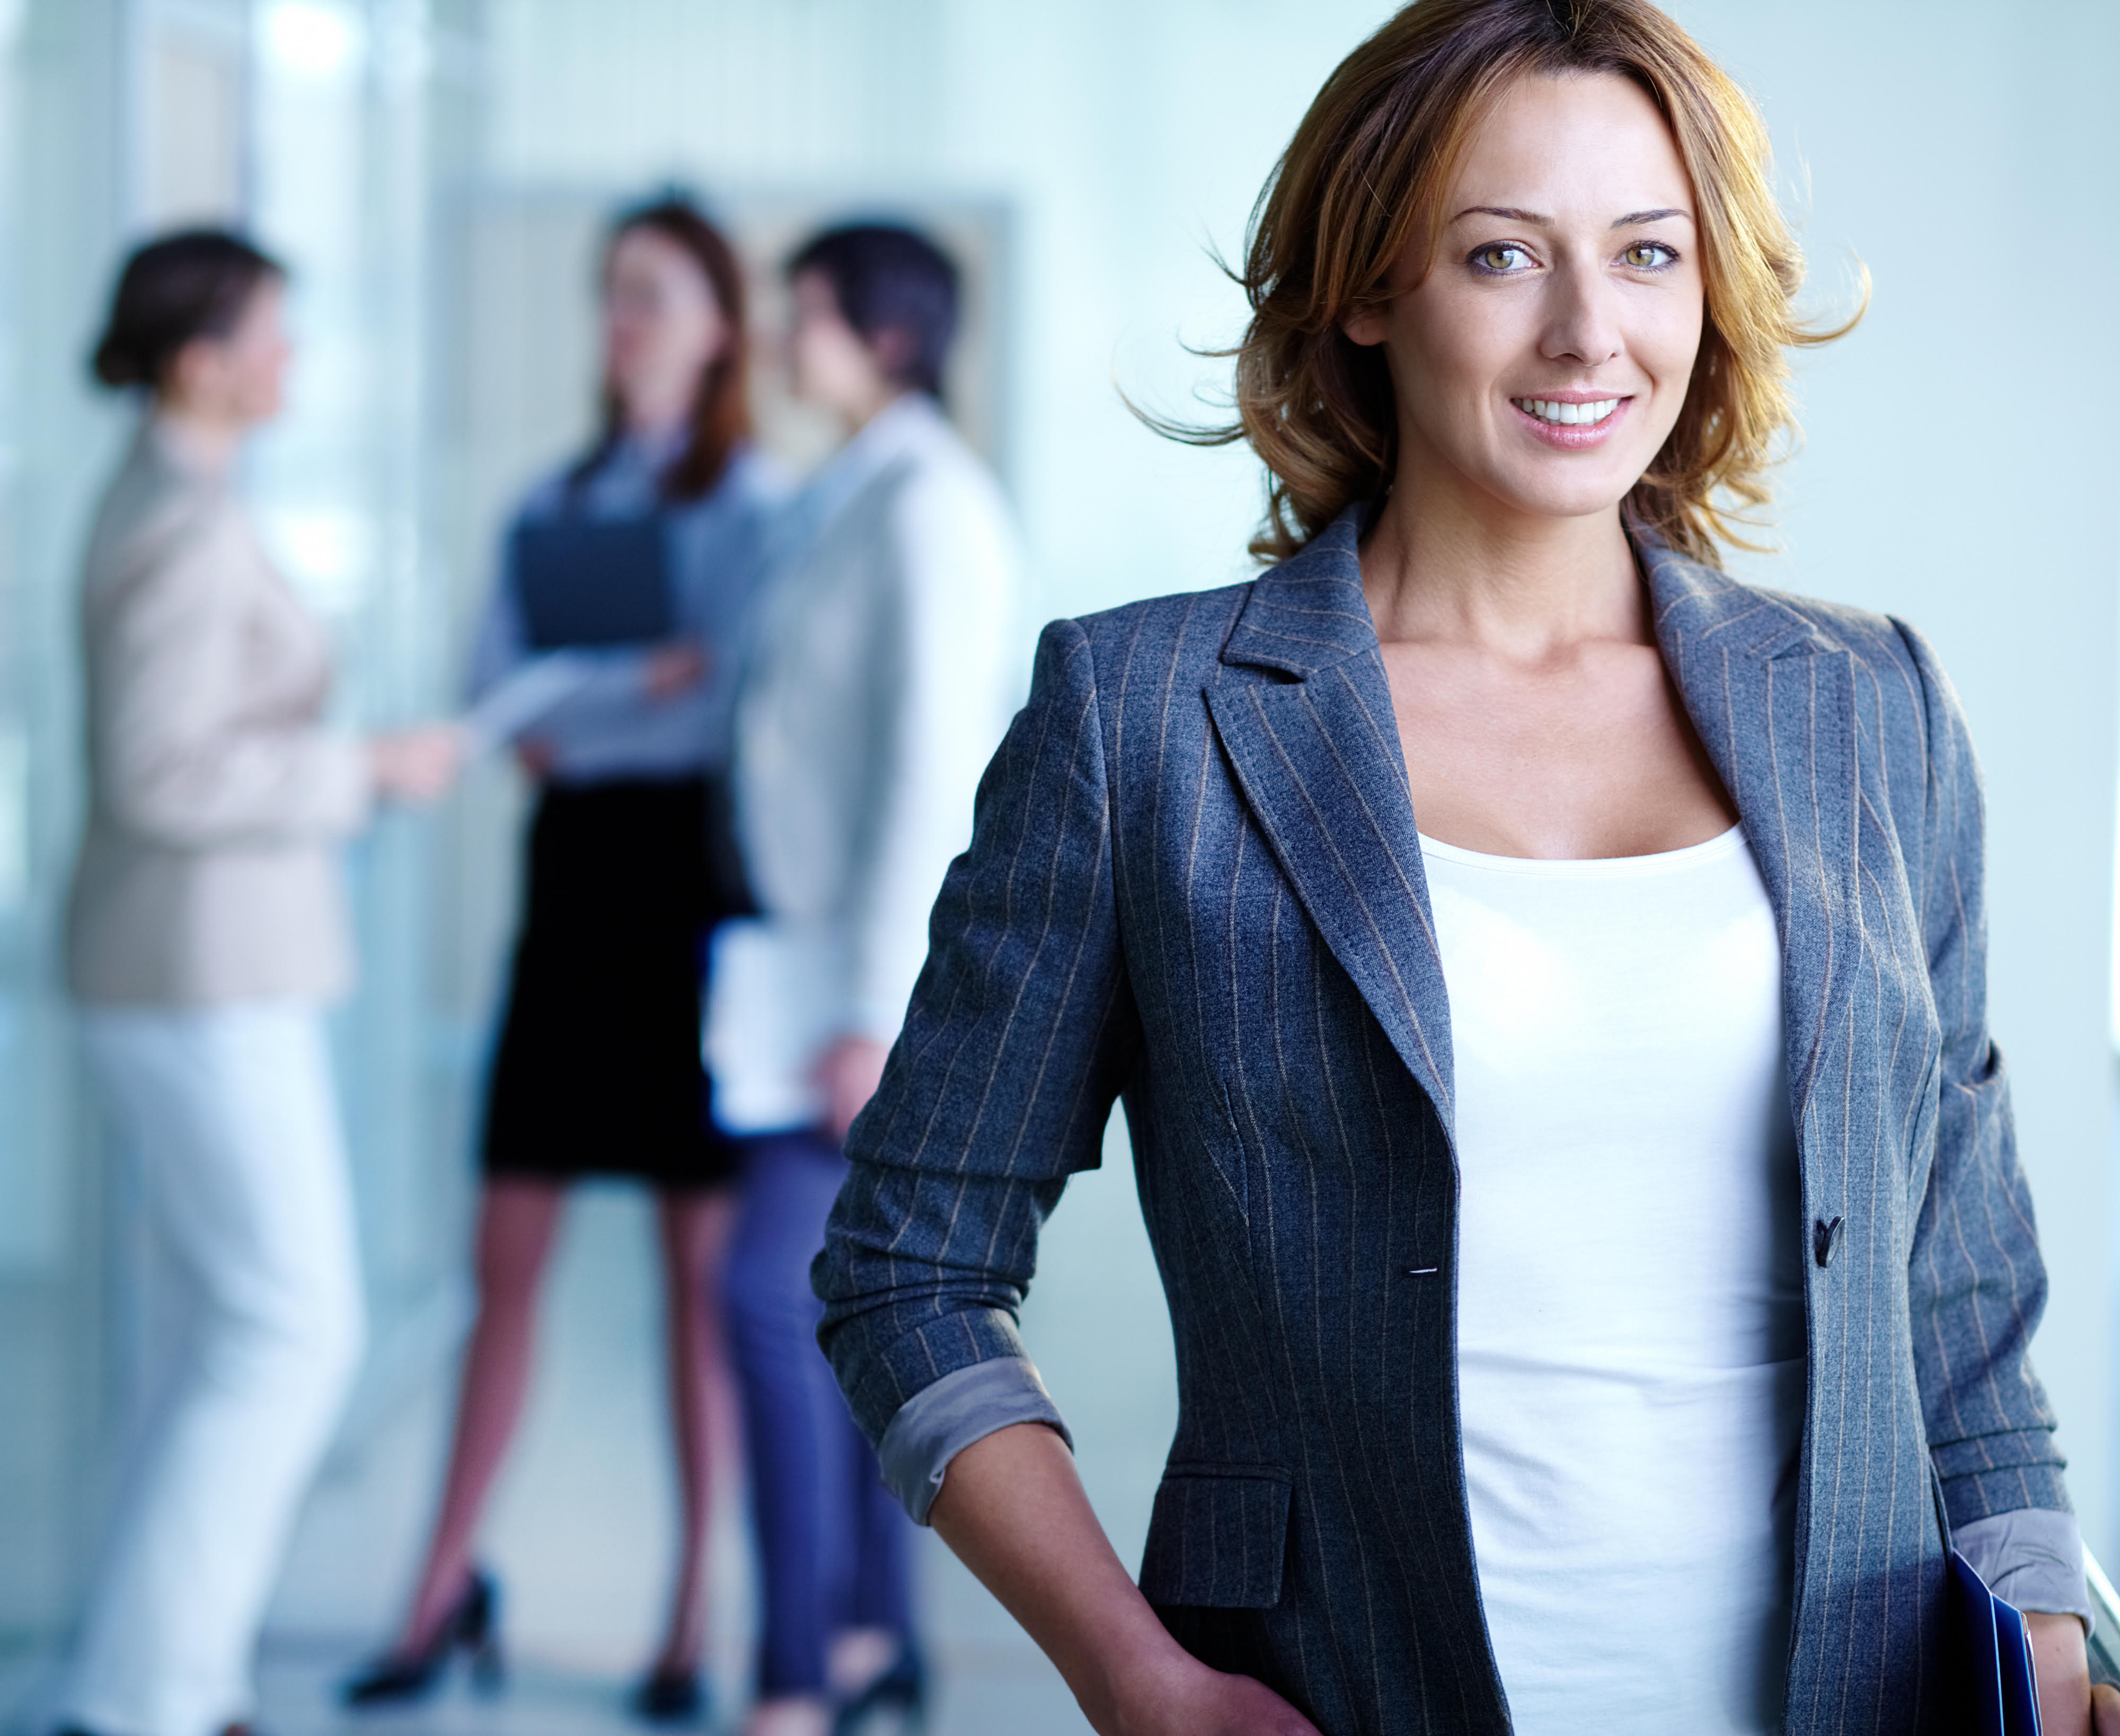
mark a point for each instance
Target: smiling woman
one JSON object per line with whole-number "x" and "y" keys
{"x": 1546, "y": 981}
{"x": 1358, "y": 209}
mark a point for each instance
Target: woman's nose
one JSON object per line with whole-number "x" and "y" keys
{"x": 1582, "y": 323}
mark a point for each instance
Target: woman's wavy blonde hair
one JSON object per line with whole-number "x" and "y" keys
{"x": 1367, "y": 174}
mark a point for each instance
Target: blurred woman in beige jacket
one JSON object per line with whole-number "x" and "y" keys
{"x": 207, "y": 933}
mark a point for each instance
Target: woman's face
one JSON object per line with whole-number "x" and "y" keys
{"x": 1545, "y": 355}
{"x": 662, "y": 327}
{"x": 829, "y": 363}
{"x": 238, "y": 379}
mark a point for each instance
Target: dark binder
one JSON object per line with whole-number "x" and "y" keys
{"x": 585, "y": 583}
{"x": 1994, "y": 1649}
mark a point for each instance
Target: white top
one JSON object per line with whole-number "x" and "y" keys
{"x": 1630, "y": 1329}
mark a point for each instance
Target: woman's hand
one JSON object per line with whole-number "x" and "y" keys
{"x": 1012, "y": 1508}
{"x": 1186, "y": 1698}
{"x": 848, "y": 1074}
{"x": 2069, "y": 1705}
{"x": 669, "y": 669}
{"x": 535, "y": 755}
{"x": 416, "y": 765}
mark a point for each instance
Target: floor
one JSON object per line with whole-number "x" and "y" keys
{"x": 577, "y": 1528}
{"x": 979, "y": 1691}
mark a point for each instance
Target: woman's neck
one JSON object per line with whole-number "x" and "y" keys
{"x": 857, "y": 413}
{"x": 1436, "y": 566}
{"x": 658, "y": 424}
{"x": 199, "y": 440}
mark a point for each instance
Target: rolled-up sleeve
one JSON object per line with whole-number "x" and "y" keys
{"x": 2031, "y": 1558}
{"x": 939, "y": 1422}
{"x": 1977, "y": 1283}
{"x": 1020, "y": 1033}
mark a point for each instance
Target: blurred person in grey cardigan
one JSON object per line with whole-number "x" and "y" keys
{"x": 882, "y": 678}
{"x": 207, "y": 933}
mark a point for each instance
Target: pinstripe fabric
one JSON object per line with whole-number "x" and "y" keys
{"x": 1195, "y": 882}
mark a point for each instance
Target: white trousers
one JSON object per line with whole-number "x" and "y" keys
{"x": 229, "y": 1114}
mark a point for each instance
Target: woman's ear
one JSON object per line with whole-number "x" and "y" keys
{"x": 192, "y": 374}
{"x": 1367, "y": 322}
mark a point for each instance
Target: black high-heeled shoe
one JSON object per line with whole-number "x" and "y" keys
{"x": 671, "y": 1697}
{"x": 902, "y": 1690}
{"x": 227, "y": 1729}
{"x": 472, "y": 1626}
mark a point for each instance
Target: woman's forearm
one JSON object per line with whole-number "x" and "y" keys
{"x": 2069, "y": 1705}
{"x": 1014, "y": 1509}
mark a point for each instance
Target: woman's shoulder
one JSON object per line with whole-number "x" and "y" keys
{"x": 1887, "y": 652}
{"x": 937, "y": 478}
{"x": 1906, "y": 712}
{"x": 1148, "y": 644}
{"x": 151, "y": 516}
{"x": 1302, "y": 615}
{"x": 1872, "y": 638}
{"x": 755, "y": 485}
{"x": 548, "y": 495}
{"x": 1711, "y": 607}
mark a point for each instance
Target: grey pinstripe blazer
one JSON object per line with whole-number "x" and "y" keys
{"x": 1195, "y": 882}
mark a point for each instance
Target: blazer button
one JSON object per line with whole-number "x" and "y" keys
{"x": 1825, "y": 1239}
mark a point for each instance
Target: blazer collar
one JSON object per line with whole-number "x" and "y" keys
{"x": 1308, "y": 613}
{"x": 1695, "y": 607}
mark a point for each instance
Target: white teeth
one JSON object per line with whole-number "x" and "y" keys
{"x": 1566, "y": 416}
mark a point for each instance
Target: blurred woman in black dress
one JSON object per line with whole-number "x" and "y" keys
{"x": 630, "y": 866}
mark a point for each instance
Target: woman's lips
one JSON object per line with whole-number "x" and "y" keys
{"x": 1576, "y": 435}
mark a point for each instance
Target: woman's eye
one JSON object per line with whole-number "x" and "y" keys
{"x": 1649, "y": 255}
{"x": 1501, "y": 258}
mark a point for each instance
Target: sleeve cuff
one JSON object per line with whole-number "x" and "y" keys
{"x": 940, "y": 1421}
{"x": 2032, "y": 1558}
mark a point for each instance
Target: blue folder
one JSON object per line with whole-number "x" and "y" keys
{"x": 1996, "y": 1649}
{"x": 585, "y": 583}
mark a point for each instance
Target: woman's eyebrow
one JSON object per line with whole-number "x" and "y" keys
{"x": 1515, "y": 216}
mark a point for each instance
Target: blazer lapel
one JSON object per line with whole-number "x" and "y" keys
{"x": 1318, "y": 760}
{"x": 1774, "y": 699}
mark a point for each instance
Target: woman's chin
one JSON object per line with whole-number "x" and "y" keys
{"x": 1565, "y": 497}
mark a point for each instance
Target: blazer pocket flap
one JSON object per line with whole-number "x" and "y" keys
{"x": 1217, "y": 1537}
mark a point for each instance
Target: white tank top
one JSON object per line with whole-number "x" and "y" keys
{"x": 1631, "y": 1330}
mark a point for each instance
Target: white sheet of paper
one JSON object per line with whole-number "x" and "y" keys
{"x": 775, "y": 999}
{"x": 518, "y": 700}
